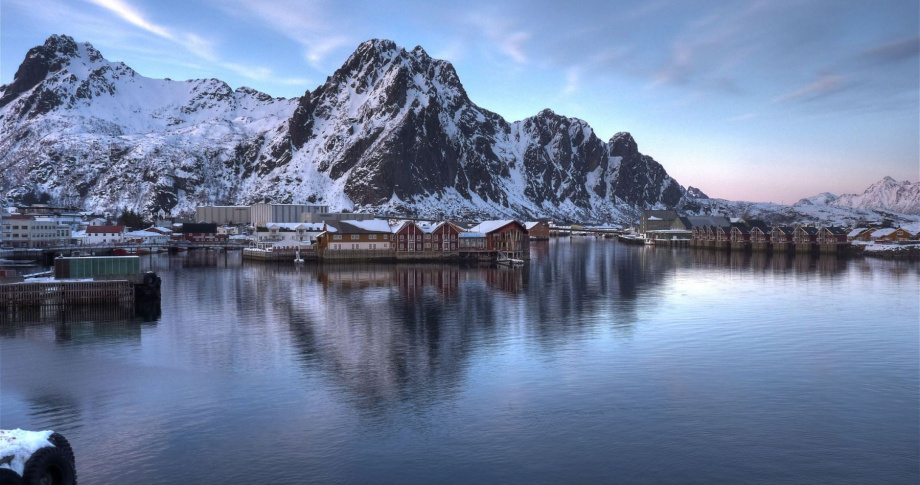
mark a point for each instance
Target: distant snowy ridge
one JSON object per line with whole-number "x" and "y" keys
{"x": 886, "y": 194}
{"x": 897, "y": 202}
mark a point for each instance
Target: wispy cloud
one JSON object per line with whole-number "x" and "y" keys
{"x": 133, "y": 17}
{"x": 740, "y": 118}
{"x": 313, "y": 25}
{"x": 503, "y": 36}
{"x": 896, "y": 51}
{"x": 824, "y": 86}
{"x": 195, "y": 44}
{"x": 572, "y": 79}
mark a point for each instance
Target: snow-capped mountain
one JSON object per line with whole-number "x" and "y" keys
{"x": 886, "y": 194}
{"x": 823, "y": 198}
{"x": 391, "y": 130}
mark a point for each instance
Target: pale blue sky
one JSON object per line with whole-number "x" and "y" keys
{"x": 764, "y": 101}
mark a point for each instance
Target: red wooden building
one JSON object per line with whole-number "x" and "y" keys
{"x": 509, "y": 237}
{"x": 201, "y": 233}
{"x": 832, "y": 235}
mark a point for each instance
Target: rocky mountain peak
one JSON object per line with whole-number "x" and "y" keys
{"x": 623, "y": 145}
{"x": 695, "y": 193}
{"x": 52, "y": 56}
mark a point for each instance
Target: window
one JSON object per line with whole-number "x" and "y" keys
{"x": 427, "y": 245}
{"x": 355, "y": 237}
{"x": 402, "y": 237}
{"x": 427, "y": 236}
{"x": 372, "y": 237}
{"x": 402, "y": 246}
{"x": 337, "y": 237}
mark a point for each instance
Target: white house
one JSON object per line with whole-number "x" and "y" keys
{"x": 104, "y": 235}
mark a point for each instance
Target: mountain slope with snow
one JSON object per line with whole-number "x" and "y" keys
{"x": 390, "y": 130}
{"x": 886, "y": 194}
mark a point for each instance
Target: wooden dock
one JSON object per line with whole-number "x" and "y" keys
{"x": 63, "y": 293}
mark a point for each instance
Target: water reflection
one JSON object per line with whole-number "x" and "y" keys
{"x": 443, "y": 358}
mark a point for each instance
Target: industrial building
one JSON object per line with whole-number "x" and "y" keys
{"x": 224, "y": 214}
{"x": 263, "y": 214}
{"x": 320, "y": 217}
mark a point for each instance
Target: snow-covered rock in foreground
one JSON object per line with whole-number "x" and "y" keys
{"x": 16, "y": 446}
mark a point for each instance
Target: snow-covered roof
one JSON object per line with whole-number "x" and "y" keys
{"x": 144, "y": 233}
{"x": 370, "y": 225}
{"x": 882, "y": 232}
{"x": 653, "y": 218}
{"x": 530, "y": 225}
{"x": 489, "y": 226}
{"x": 296, "y": 225}
{"x": 857, "y": 231}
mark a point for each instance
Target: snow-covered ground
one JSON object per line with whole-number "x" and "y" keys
{"x": 16, "y": 446}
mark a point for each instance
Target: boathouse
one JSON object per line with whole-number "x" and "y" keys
{"x": 368, "y": 235}
{"x": 201, "y": 233}
{"x": 832, "y": 235}
{"x": 506, "y": 236}
{"x": 860, "y": 234}
{"x": 890, "y": 235}
{"x": 537, "y": 230}
{"x": 656, "y": 220}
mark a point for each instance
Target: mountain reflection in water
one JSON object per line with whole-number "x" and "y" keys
{"x": 588, "y": 365}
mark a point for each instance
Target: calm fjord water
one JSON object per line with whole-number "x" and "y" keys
{"x": 596, "y": 363}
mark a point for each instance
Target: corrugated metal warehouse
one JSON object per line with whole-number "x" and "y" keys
{"x": 262, "y": 214}
{"x": 224, "y": 214}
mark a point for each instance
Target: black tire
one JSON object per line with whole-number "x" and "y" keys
{"x": 9, "y": 477}
{"x": 59, "y": 441}
{"x": 49, "y": 466}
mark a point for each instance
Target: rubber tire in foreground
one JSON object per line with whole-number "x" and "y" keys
{"x": 59, "y": 441}
{"x": 9, "y": 477}
{"x": 49, "y": 466}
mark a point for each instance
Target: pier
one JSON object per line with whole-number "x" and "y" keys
{"x": 63, "y": 293}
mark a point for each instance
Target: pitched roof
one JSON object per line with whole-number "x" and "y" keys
{"x": 857, "y": 231}
{"x": 104, "y": 229}
{"x": 199, "y": 227}
{"x": 709, "y": 221}
{"x": 809, "y": 230}
{"x": 489, "y": 226}
{"x": 882, "y": 232}
{"x": 837, "y": 231}
{"x": 663, "y": 214}
{"x": 370, "y": 226}
{"x": 531, "y": 224}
